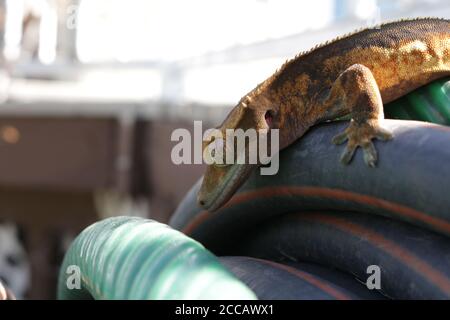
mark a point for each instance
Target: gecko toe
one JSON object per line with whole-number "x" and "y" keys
{"x": 383, "y": 134}
{"x": 348, "y": 153}
{"x": 340, "y": 138}
{"x": 370, "y": 154}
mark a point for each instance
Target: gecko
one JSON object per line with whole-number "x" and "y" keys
{"x": 352, "y": 75}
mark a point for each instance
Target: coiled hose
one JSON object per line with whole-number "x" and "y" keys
{"x": 414, "y": 263}
{"x": 296, "y": 281}
{"x": 134, "y": 258}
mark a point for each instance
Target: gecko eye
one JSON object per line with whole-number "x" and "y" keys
{"x": 269, "y": 117}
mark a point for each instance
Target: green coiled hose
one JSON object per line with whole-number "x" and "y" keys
{"x": 429, "y": 103}
{"x": 135, "y": 258}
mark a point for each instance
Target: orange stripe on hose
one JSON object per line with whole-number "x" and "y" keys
{"x": 322, "y": 285}
{"x": 435, "y": 127}
{"x": 194, "y": 223}
{"x": 433, "y": 276}
{"x": 400, "y": 210}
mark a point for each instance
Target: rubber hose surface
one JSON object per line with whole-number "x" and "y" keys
{"x": 410, "y": 183}
{"x": 296, "y": 281}
{"x": 414, "y": 263}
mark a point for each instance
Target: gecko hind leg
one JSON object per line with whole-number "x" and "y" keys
{"x": 357, "y": 91}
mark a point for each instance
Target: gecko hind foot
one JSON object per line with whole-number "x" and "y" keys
{"x": 361, "y": 135}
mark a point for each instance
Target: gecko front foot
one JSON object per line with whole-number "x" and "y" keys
{"x": 361, "y": 135}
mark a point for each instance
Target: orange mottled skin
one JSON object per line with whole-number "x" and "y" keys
{"x": 352, "y": 75}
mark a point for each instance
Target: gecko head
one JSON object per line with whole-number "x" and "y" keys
{"x": 222, "y": 178}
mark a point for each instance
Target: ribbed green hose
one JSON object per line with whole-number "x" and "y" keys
{"x": 135, "y": 258}
{"x": 430, "y": 103}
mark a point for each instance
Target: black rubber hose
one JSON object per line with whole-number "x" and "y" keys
{"x": 414, "y": 263}
{"x": 410, "y": 183}
{"x": 297, "y": 281}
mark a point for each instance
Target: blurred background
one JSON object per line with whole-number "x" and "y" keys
{"x": 90, "y": 92}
